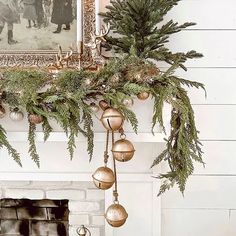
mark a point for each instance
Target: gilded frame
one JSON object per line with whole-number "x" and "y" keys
{"x": 43, "y": 58}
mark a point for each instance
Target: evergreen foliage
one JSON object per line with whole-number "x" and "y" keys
{"x": 141, "y": 42}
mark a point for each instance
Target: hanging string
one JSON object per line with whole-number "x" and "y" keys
{"x": 106, "y": 156}
{"x": 115, "y": 191}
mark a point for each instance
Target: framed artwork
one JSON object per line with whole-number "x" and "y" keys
{"x": 31, "y": 30}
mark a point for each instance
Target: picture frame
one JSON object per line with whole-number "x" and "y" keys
{"x": 85, "y": 18}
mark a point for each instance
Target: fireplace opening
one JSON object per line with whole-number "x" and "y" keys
{"x": 25, "y": 217}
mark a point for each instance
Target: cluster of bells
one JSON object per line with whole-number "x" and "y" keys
{"x": 122, "y": 151}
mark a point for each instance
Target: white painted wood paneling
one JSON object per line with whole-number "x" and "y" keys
{"x": 217, "y": 81}
{"x": 211, "y": 43}
{"x": 205, "y": 13}
{"x": 208, "y": 192}
{"x": 219, "y": 157}
{"x": 216, "y": 122}
{"x": 198, "y": 222}
{"x": 198, "y": 11}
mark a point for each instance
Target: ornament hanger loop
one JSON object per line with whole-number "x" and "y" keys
{"x": 123, "y": 136}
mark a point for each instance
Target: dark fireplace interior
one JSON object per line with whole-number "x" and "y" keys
{"x": 34, "y": 217}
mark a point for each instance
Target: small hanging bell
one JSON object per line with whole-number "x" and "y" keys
{"x": 116, "y": 215}
{"x": 104, "y": 178}
{"x": 112, "y": 119}
{"x": 123, "y": 150}
{"x": 83, "y": 231}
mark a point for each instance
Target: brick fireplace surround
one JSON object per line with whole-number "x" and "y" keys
{"x": 62, "y": 205}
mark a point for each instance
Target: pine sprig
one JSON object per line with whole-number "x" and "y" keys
{"x": 88, "y": 127}
{"x": 47, "y": 129}
{"x": 11, "y": 151}
{"x": 32, "y": 146}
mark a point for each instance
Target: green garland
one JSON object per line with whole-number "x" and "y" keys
{"x": 66, "y": 99}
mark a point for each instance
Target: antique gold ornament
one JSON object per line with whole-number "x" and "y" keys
{"x": 104, "y": 178}
{"x": 143, "y": 96}
{"x": 2, "y": 112}
{"x": 16, "y": 115}
{"x": 103, "y": 104}
{"x": 35, "y": 119}
{"x": 83, "y": 231}
{"x": 112, "y": 119}
{"x": 123, "y": 150}
{"x": 116, "y": 215}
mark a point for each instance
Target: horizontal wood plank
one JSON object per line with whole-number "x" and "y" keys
{"x": 219, "y": 84}
{"x": 217, "y": 47}
{"x": 216, "y": 122}
{"x": 196, "y": 222}
{"x": 205, "y": 192}
{"x": 219, "y": 158}
{"x": 198, "y": 11}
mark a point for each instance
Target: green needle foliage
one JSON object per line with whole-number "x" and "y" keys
{"x": 139, "y": 30}
{"x": 4, "y": 143}
{"x": 66, "y": 98}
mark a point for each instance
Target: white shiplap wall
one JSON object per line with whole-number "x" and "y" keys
{"x": 209, "y": 206}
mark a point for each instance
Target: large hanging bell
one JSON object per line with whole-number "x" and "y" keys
{"x": 104, "y": 178}
{"x": 112, "y": 119}
{"x": 116, "y": 215}
{"x": 123, "y": 150}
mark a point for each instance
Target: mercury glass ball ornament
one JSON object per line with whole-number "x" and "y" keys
{"x": 123, "y": 150}
{"x": 16, "y": 115}
{"x": 104, "y": 178}
{"x": 116, "y": 215}
{"x": 112, "y": 119}
{"x": 128, "y": 102}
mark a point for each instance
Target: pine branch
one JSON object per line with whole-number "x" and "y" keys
{"x": 32, "y": 146}
{"x": 47, "y": 129}
{"x": 11, "y": 151}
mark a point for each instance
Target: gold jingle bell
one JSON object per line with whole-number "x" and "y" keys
{"x": 35, "y": 119}
{"x": 123, "y": 150}
{"x": 116, "y": 215}
{"x": 112, "y": 119}
{"x": 104, "y": 178}
{"x": 143, "y": 96}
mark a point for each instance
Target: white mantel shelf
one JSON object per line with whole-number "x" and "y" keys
{"x": 99, "y": 137}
